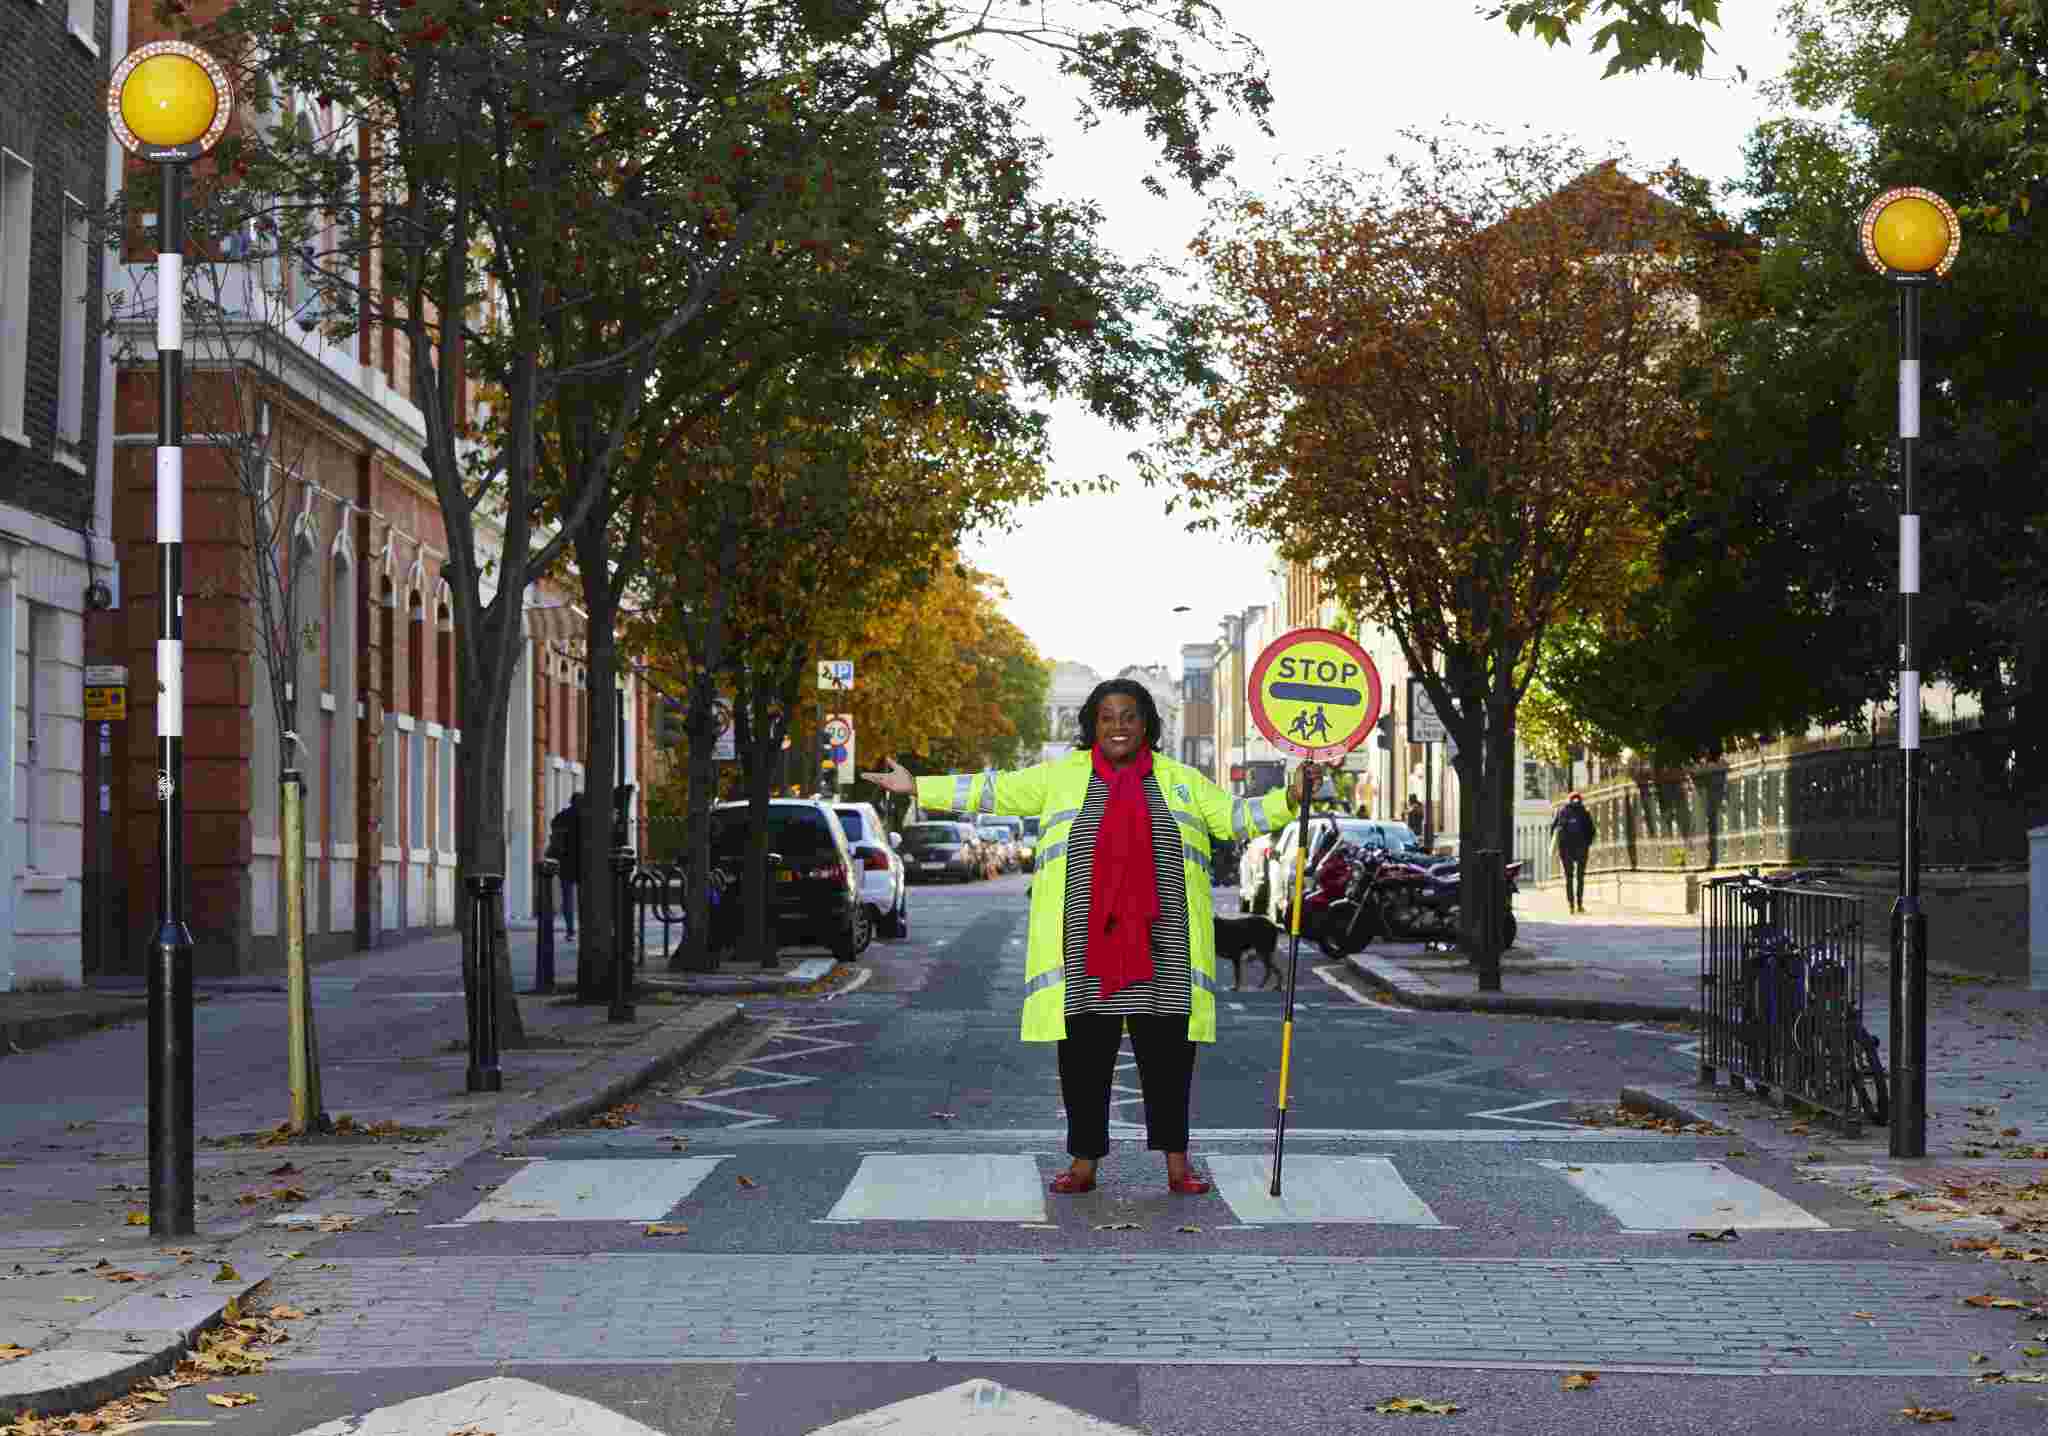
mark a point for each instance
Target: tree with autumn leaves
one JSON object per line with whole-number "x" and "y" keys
{"x": 709, "y": 191}
{"x": 1453, "y": 390}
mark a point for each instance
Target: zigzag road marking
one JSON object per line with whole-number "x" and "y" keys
{"x": 791, "y": 1031}
{"x": 1506, "y": 1114}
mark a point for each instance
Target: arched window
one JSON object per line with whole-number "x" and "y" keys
{"x": 416, "y": 759}
{"x": 341, "y": 678}
{"x": 309, "y": 636}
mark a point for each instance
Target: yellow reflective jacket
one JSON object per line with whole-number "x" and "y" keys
{"x": 1053, "y": 793}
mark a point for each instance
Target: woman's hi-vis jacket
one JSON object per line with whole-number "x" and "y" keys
{"x": 1053, "y": 793}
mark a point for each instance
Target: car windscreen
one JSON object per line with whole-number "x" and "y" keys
{"x": 850, "y": 819}
{"x": 931, "y": 835}
{"x": 1401, "y": 837}
{"x": 792, "y": 832}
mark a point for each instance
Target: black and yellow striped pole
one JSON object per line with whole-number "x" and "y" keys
{"x": 1308, "y": 788}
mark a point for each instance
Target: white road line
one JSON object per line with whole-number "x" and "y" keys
{"x": 1684, "y": 1196}
{"x": 502, "y": 1404}
{"x": 1012, "y": 1138}
{"x": 1319, "y": 1189}
{"x": 1504, "y": 1114}
{"x": 953, "y": 1187}
{"x": 860, "y": 980}
{"x": 607, "y": 1189}
{"x": 1355, "y": 995}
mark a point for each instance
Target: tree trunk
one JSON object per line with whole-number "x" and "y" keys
{"x": 483, "y": 702}
{"x": 766, "y": 746}
{"x": 602, "y": 763}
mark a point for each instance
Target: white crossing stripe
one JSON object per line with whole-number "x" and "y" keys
{"x": 610, "y": 1189}
{"x": 1684, "y": 1196}
{"x": 948, "y": 1187}
{"x": 974, "y": 1408}
{"x": 504, "y": 1405}
{"x": 1357, "y": 1190}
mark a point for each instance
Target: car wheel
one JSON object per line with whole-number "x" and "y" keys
{"x": 891, "y": 925}
{"x": 859, "y": 933}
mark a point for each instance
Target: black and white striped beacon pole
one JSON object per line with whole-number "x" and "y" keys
{"x": 1911, "y": 237}
{"x": 168, "y": 103}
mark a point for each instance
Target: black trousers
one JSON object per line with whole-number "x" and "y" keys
{"x": 569, "y": 905}
{"x": 1166, "y": 1074}
{"x": 1574, "y": 876}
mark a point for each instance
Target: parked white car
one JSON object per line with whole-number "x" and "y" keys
{"x": 884, "y": 890}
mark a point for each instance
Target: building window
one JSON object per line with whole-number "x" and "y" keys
{"x": 34, "y": 741}
{"x": 416, "y": 835}
{"x": 71, "y": 331}
{"x": 1534, "y": 789}
{"x": 17, "y": 192}
{"x": 341, "y": 681}
{"x": 445, "y": 825}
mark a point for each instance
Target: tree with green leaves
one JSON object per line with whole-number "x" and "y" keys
{"x": 484, "y": 171}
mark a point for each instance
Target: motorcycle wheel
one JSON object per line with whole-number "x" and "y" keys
{"x": 1508, "y": 930}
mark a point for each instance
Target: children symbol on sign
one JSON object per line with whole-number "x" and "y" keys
{"x": 1306, "y": 726}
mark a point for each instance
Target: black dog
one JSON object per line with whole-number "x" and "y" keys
{"x": 1240, "y": 937}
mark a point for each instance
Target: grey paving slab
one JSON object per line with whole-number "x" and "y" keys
{"x": 1799, "y": 1316}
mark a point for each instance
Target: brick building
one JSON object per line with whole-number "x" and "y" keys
{"x": 361, "y": 540}
{"x": 54, "y": 553}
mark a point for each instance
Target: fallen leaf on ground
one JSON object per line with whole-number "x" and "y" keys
{"x": 746, "y": 1181}
{"x": 664, "y": 1229}
{"x": 1187, "y": 1228}
{"x": 227, "y": 1272}
{"x": 1978, "y": 1358}
{"x": 1580, "y": 1380}
{"x": 282, "y": 1312}
{"x": 1926, "y": 1415}
{"x": 1864, "y": 1315}
{"x": 78, "y": 1298}
{"x": 138, "y": 1219}
{"x": 2001, "y": 1302}
{"x": 231, "y": 1399}
{"x": 1416, "y": 1406}
{"x": 118, "y": 1275}
{"x": 1726, "y": 1234}
{"x": 337, "y": 1222}
{"x": 10, "y": 1352}
{"x": 616, "y": 1117}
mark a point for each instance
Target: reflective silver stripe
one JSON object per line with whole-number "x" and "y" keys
{"x": 1203, "y": 980}
{"x": 1189, "y": 820}
{"x": 1199, "y": 859}
{"x": 1044, "y": 980}
{"x": 988, "y": 792}
{"x": 1064, "y": 815}
{"x": 963, "y": 790}
{"x": 1238, "y": 810}
{"x": 1051, "y": 851}
{"x": 1256, "y": 812}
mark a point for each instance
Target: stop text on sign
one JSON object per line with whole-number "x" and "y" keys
{"x": 1314, "y": 692}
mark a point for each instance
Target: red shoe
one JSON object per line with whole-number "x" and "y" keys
{"x": 1188, "y": 1186}
{"x": 1066, "y": 1184}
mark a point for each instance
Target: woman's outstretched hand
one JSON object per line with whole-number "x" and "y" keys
{"x": 1311, "y": 775}
{"x": 896, "y": 780}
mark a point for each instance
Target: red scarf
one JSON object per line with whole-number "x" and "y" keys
{"x": 1123, "y": 889}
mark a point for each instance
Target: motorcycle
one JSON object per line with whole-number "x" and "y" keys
{"x": 1363, "y": 893}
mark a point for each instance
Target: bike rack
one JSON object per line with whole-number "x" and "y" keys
{"x": 1781, "y": 995}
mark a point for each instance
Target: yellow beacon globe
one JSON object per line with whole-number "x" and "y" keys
{"x": 168, "y": 100}
{"x": 1910, "y": 235}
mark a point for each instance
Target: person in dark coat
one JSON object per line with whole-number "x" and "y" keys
{"x": 1572, "y": 832}
{"x": 565, "y": 846}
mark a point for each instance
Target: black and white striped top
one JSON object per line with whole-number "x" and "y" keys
{"x": 1169, "y": 989}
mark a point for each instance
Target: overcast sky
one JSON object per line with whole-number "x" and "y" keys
{"x": 1096, "y": 579}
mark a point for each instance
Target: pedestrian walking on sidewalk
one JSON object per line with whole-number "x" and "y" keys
{"x": 1415, "y": 821}
{"x": 565, "y": 846}
{"x": 1122, "y": 932}
{"x": 1572, "y": 833}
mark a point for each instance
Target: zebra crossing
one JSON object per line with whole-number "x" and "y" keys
{"x": 1320, "y": 1189}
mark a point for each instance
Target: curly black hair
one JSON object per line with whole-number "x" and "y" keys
{"x": 1131, "y": 688}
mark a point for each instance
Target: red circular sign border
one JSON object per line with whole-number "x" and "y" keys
{"x": 1257, "y": 700}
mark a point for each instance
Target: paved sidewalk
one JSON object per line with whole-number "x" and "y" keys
{"x": 1987, "y": 1038}
{"x": 99, "y": 1304}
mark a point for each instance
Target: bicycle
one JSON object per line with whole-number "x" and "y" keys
{"x": 1809, "y": 983}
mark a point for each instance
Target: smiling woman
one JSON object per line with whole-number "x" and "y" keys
{"x": 1122, "y": 929}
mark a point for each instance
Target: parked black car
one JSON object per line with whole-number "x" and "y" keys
{"x": 943, "y": 850}
{"x": 814, "y": 896}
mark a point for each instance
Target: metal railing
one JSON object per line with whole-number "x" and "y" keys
{"x": 1781, "y": 994}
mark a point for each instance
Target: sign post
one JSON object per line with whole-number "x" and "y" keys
{"x": 1313, "y": 692}
{"x": 1426, "y": 728}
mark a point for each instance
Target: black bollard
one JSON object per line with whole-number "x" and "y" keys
{"x": 623, "y": 861}
{"x": 544, "y": 949}
{"x": 484, "y": 1075}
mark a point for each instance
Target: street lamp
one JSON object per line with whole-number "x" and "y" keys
{"x": 1910, "y": 236}
{"x": 169, "y": 103}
